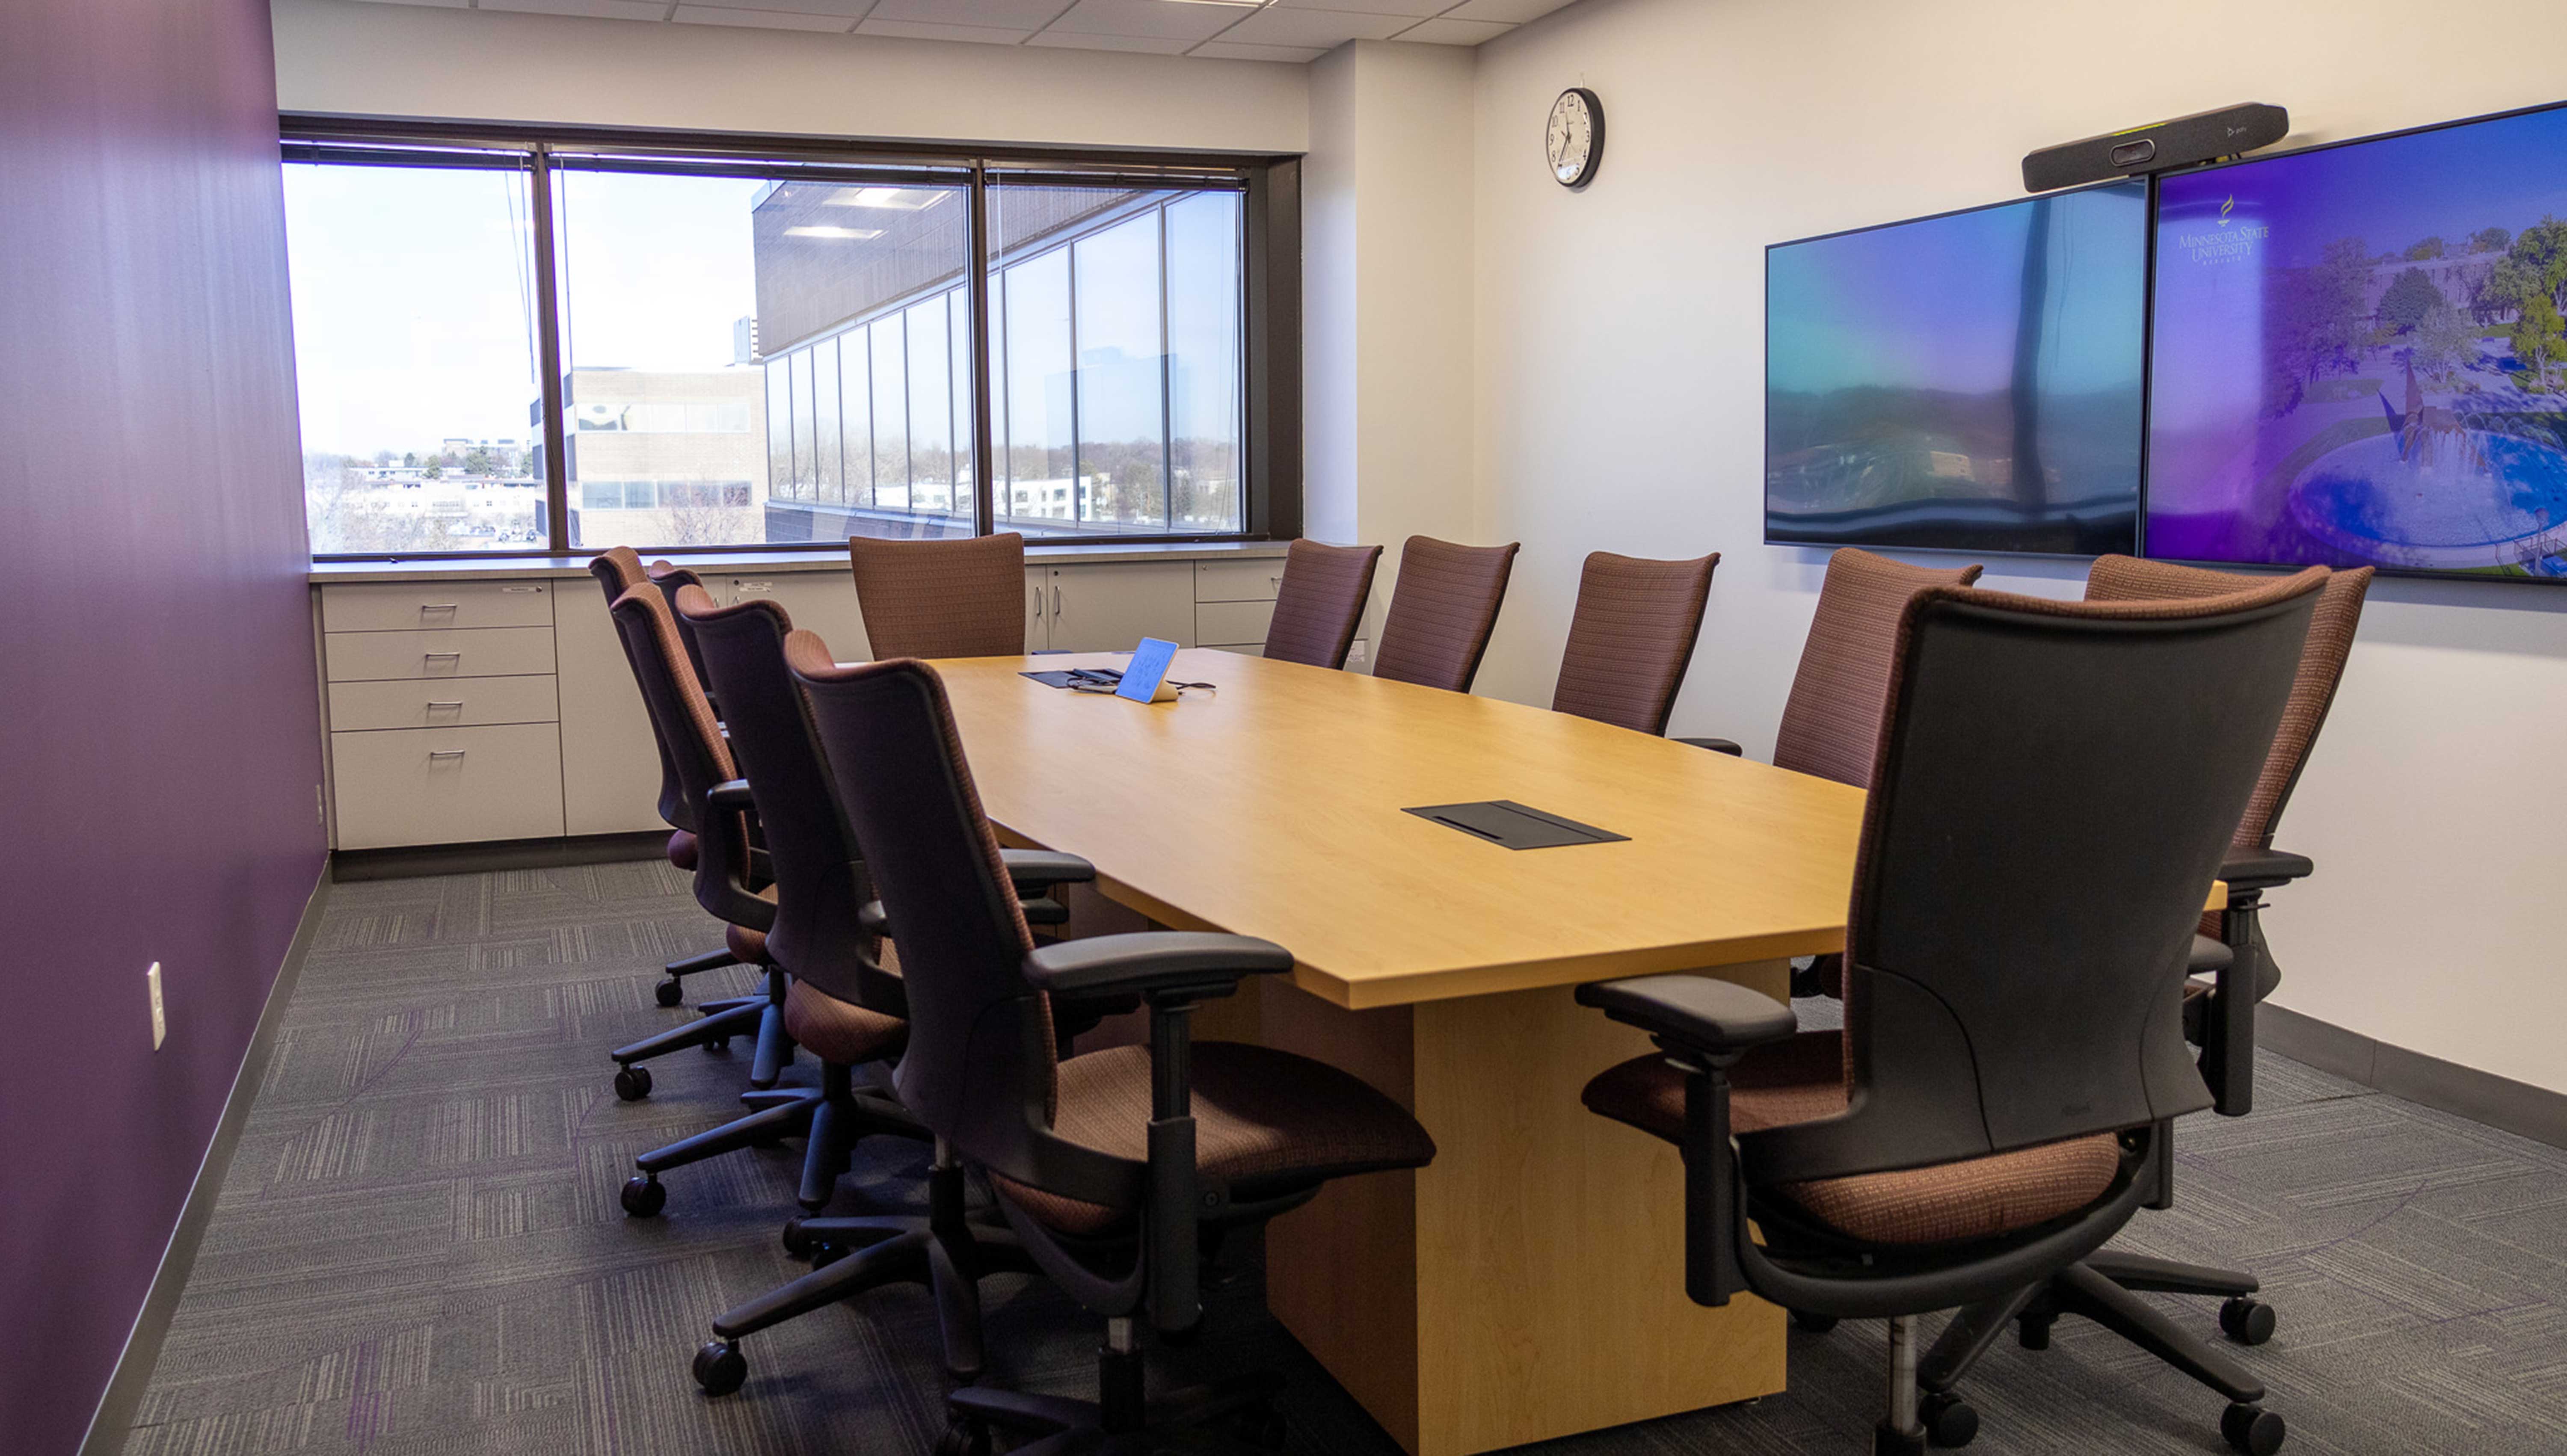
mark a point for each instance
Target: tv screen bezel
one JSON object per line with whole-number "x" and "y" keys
{"x": 2148, "y": 354}
{"x": 2147, "y": 302}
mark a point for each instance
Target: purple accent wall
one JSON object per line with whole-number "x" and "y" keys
{"x": 159, "y": 737}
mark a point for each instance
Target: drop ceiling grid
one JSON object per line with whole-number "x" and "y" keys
{"x": 1278, "y": 30}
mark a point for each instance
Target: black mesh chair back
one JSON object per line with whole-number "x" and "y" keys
{"x": 980, "y": 1069}
{"x": 2052, "y": 796}
{"x": 820, "y": 882}
{"x": 697, "y": 757}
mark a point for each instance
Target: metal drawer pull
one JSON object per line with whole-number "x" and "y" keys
{"x": 436, "y": 606}
{"x": 522, "y": 589}
{"x": 434, "y": 704}
{"x": 440, "y": 654}
{"x": 445, "y": 753}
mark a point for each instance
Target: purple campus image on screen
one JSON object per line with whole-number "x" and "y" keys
{"x": 2357, "y": 356}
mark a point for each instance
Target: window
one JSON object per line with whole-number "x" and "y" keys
{"x": 551, "y": 343}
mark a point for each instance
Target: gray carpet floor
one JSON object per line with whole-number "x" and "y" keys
{"x": 418, "y": 1250}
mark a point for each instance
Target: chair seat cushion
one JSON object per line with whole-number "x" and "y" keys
{"x": 1803, "y": 1079}
{"x": 750, "y": 946}
{"x": 1262, "y": 1117}
{"x": 682, "y": 850}
{"x": 840, "y": 1032}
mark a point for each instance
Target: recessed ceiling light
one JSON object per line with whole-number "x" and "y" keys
{"x": 858, "y": 234}
{"x": 895, "y": 199}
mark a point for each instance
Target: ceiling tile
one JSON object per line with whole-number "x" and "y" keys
{"x": 1410, "y": 8}
{"x": 1073, "y": 40}
{"x": 1450, "y": 32}
{"x": 1233, "y": 51}
{"x": 844, "y": 11}
{"x": 1511, "y": 11}
{"x": 1025, "y": 14}
{"x": 602, "y": 9}
{"x": 1277, "y": 26}
{"x": 759, "y": 19}
{"x": 920, "y": 29}
{"x": 1157, "y": 19}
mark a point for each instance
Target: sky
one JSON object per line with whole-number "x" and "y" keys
{"x": 1933, "y": 303}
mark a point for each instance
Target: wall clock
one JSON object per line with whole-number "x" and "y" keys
{"x": 1573, "y": 143}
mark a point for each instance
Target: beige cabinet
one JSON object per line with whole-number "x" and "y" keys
{"x": 1235, "y": 600}
{"x": 421, "y": 606}
{"x": 461, "y": 702}
{"x": 819, "y": 600}
{"x": 609, "y": 764}
{"x": 481, "y": 651}
{"x": 1111, "y": 606}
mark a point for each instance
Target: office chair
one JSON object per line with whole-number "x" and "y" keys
{"x": 846, "y": 1004}
{"x": 2053, "y": 787}
{"x": 619, "y": 570}
{"x": 2219, "y": 1014}
{"x": 1116, "y": 1168}
{"x": 964, "y": 597}
{"x": 1319, "y": 602}
{"x": 1831, "y": 720}
{"x": 1442, "y": 609}
{"x": 1631, "y": 637}
{"x": 699, "y": 759}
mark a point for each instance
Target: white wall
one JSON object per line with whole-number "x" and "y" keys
{"x": 1386, "y": 299}
{"x": 1619, "y": 399}
{"x": 343, "y": 56}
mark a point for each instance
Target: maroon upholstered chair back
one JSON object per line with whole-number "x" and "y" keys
{"x": 1441, "y": 611}
{"x": 964, "y": 597}
{"x": 1831, "y": 720}
{"x": 1631, "y": 637}
{"x": 2339, "y": 612}
{"x": 1320, "y": 603}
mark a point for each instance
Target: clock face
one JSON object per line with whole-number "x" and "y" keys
{"x": 1574, "y": 139}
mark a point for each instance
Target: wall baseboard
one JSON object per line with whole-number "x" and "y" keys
{"x": 113, "y": 1421}
{"x": 410, "y": 862}
{"x": 2463, "y": 1091}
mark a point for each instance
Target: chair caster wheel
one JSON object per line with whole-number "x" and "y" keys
{"x": 2245, "y": 1320}
{"x": 644, "y": 1196}
{"x": 825, "y": 1254}
{"x": 716, "y": 1045}
{"x": 719, "y": 1368}
{"x": 1889, "y": 1442}
{"x": 668, "y": 993}
{"x": 632, "y": 1083}
{"x": 797, "y": 1243}
{"x": 1815, "y": 1323}
{"x": 1948, "y": 1419}
{"x": 2252, "y": 1429}
{"x": 2032, "y": 1332}
{"x": 964, "y": 1438}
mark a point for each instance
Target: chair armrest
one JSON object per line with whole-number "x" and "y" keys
{"x": 2209, "y": 956}
{"x": 731, "y": 794}
{"x": 2262, "y": 869}
{"x": 1165, "y": 965}
{"x": 1043, "y": 868}
{"x": 1717, "y": 746}
{"x": 1718, "y": 1017}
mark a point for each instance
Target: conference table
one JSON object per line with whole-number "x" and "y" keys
{"x": 1528, "y": 1283}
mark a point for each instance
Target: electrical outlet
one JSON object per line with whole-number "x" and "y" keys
{"x": 159, "y": 1015}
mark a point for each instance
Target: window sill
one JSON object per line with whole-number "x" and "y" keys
{"x": 764, "y": 562}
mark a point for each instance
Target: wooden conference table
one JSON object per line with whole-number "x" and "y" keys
{"x": 1528, "y": 1283}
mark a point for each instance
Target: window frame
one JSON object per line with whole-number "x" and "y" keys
{"x": 1270, "y": 273}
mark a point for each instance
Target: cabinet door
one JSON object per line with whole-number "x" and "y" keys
{"x": 817, "y": 601}
{"x": 447, "y": 786}
{"x": 609, "y": 765}
{"x": 1111, "y": 606}
{"x": 1038, "y": 608}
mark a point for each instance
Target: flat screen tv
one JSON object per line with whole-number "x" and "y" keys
{"x": 2356, "y": 355}
{"x": 1970, "y": 380}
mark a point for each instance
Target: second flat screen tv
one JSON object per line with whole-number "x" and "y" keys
{"x": 1969, "y": 382}
{"x": 2358, "y": 358}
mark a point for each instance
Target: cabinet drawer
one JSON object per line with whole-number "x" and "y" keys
{"x": 1254, "y": 580}
{"x": 461, "y": 703}
{"x": 400, "y": 606}
{"x": 447, "y": 785}
{"x": 489, "y": 651}
{"x": 1232, "y": 621}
